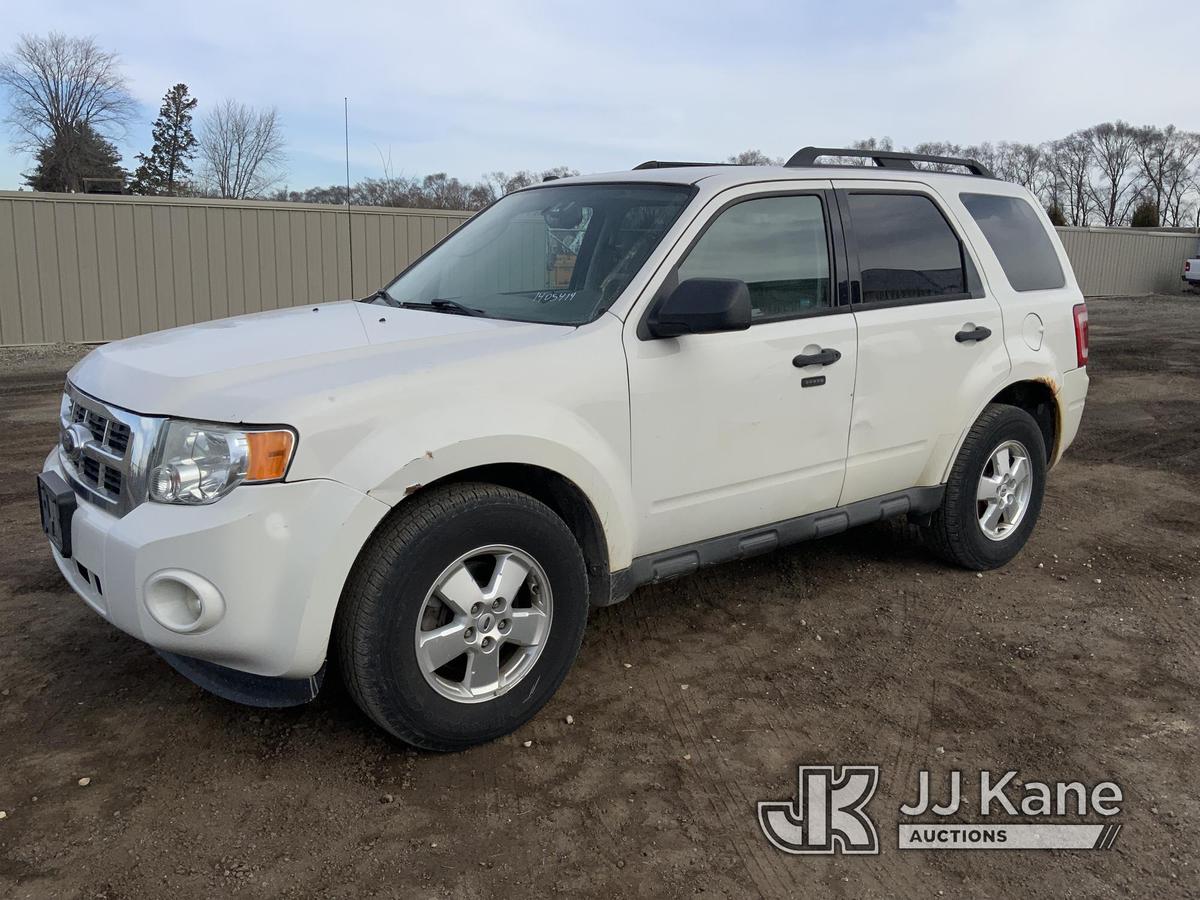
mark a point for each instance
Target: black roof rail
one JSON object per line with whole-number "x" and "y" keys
{"x": 662, "y": 164}
{"x": 885, "y": 159}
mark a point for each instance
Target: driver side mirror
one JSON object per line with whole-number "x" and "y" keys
{"x": 702, "y": 306}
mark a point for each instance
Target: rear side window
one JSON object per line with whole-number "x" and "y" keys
{"x": 777, "y": 245}
{"x": 906, "y": 249}
{"x": 1018, "y": 240}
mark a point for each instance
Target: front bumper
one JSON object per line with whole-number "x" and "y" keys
{"x": 278, "y": 554}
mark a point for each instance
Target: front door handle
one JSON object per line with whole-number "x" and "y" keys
{"x": 975, "y": 334}
{"x": 825, "y": 357}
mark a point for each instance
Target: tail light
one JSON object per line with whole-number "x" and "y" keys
{"x": 1187, "y": 265}
{"x": 1081, "y": 333}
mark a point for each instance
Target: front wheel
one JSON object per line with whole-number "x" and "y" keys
{"x": 462, "y": 616}
{"x": 994, "y": 493}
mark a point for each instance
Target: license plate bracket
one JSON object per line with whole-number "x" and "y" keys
{"x": 57, "y": 503}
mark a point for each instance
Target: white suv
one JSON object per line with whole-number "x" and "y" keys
{"x": 596, "y": 383}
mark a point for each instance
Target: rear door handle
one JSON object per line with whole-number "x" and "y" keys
{"x": 825, "y": 357}
{"x": 975, "y": 334}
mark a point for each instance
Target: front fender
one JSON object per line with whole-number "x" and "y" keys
{"x": 562, "y": 406}
{"x": 579, "y": 455}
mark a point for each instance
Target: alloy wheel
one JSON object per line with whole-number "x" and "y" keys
{"x": 484, "y": 623}
{"x": 1005, "y": 488}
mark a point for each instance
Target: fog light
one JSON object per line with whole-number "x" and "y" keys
{"x": 182, "y": 601}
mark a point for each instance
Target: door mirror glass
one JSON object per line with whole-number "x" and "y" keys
{"x": 701, "y": 306}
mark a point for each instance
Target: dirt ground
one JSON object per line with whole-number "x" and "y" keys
{"x": 690, "y": 702}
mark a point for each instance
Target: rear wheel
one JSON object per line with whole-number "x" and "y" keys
{"x": 462, "y": 616}
{"x": 994, "y": 492}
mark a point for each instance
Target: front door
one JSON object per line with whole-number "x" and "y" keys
{"x": 730, "y": 430}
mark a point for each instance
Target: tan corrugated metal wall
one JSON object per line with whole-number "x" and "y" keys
{"x": 1111, "y": 261}
{"x": 97, "y": 268}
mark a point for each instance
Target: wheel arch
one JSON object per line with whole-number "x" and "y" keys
{"x": 1038, "y": 395}
{"x": 560, "y": 493}
{"x": 569, "y": 502}
{"x": 1039, "y": 398}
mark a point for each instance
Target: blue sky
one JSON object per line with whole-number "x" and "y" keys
{"x": 469, "y": 88}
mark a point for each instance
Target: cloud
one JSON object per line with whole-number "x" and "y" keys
{"x": 471, "y": 87}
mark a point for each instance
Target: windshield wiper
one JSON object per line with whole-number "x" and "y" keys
{"x": 446, "y": 306}
{"x": 381, "y": 295}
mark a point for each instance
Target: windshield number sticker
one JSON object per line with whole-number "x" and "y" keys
{"x": 553, "y": 296}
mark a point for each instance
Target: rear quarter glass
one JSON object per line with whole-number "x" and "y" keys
{"x": 1018, "y": 239}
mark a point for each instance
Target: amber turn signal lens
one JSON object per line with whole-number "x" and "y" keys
{"x": 270, "y": 453}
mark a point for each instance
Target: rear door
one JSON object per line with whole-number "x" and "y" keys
{"x": 930, "y": 338}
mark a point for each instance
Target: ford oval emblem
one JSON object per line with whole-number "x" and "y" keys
{"x": 73, "y": 439}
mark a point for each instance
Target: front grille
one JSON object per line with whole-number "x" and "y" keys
{"x": 90, "y": 470}
{"x": 109, "y": 433}
{"x": 103, "y": 476}
{"x": 108, "y": 458}
{"x": 113, "y": 481}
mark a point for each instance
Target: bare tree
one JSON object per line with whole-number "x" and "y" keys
{"x": 991, "y": 155}
{"x": 1167, "y": 163}
{"x": 242, "y": 150}
{"x": 59, "y": 87}
{"x": 1116, "y": 186}
{"x": 939, "y": 148}
{"x": 1071, "y": 164}
{"x": 436, "y": 191}
{"x": 1182, "y": 184}
{"x": 753, "y": 158}
{"x": 871, "y": 143}
{"x": 1026, "y": 165}
{"x": 1086, "y": 176}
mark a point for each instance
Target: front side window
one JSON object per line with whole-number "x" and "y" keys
{"x": 559, "y": 254}
{"x": 906, "y": 249}
{"x": 1018, "y": 240}
{"x": 777, "y": 245}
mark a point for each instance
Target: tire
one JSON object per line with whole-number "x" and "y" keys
{"x": 392, "y": 589}
{"x": 955, "y": 531}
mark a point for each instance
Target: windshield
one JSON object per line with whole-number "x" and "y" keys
{"x": 554, "y": 254}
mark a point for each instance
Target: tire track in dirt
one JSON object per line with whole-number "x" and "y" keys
{"x": 713, "y": 789}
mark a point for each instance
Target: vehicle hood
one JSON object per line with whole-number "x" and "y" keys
{"x": 256, "y": 368}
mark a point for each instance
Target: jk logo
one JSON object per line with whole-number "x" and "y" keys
{"x": 827, "y": 816}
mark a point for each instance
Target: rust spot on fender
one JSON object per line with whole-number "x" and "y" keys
{"x": 1058, "y": 415}
{"x": 1048, "y": 382}
{"x": 429, "y": 454}
{"x": 412, "y": 489}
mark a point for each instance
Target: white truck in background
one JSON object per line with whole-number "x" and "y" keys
{"x": 1191, "y": 270}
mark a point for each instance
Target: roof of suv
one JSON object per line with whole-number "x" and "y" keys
{"x": 886, "y": 165}
{"x": 730, "y": 175}
{"x": 713, "y": 179}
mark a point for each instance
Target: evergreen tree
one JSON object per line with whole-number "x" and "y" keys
{"x": 1055, "y": 214}
{"x": 1145, "y": 215}
{"x": 74, "y": 154}
{"x": 165, "y": 170}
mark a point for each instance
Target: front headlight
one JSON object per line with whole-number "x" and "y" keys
{"x": 198, "y": 463}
